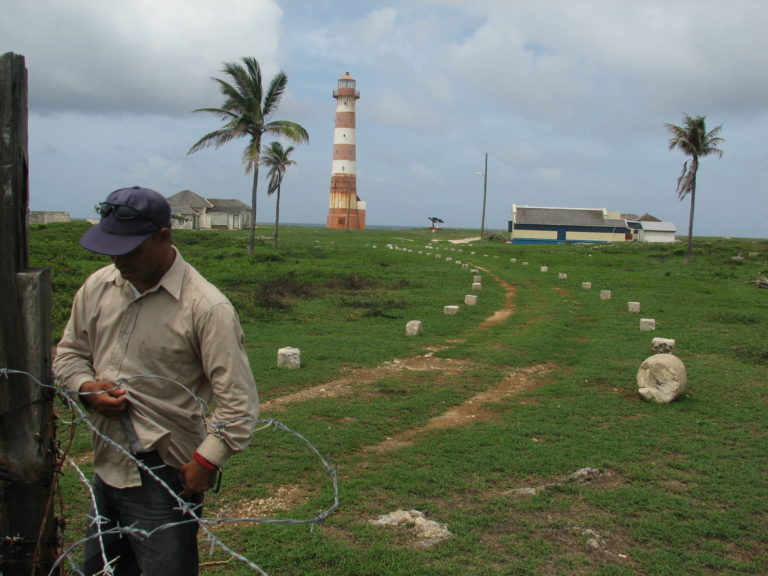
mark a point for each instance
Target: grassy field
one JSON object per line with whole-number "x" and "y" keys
{"x": 480, "y": 423}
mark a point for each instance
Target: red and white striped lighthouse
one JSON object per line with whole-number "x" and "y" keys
{"x": 346, "y": 210}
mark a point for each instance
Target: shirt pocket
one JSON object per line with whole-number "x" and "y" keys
{"x": 175, "y": 364}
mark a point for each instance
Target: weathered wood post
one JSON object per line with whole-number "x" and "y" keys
{"x": 28, "y": 532}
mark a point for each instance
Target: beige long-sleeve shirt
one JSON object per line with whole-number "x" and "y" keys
{"x": 170, "y": 347}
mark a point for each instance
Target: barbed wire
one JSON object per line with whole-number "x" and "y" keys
{"x": 186, "y": 508}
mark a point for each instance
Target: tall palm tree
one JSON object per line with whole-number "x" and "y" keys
{"x": 246, "y": 112}
{"x": 277, "y": 159}
{"x": 693, "y": 140}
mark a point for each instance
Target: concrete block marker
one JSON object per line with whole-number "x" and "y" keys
{"x": 513, "y": 260}
{"x": 474, "y": 271}
{"x": 477, "y": 279}
{"x": 633, "y": 307}
{"x": 289, "y": 357}
{"x": 605, "y": 294}
{"x": 470, "y": 299}
{"x": 450, "y": 310}
{"x": 414, "y": 328}
{"x": 477, "y": 285}
{"x": 525, "y": 263}
{"x": 661, "y": 378}
{"x": 562, "y": 276}
{"x": 544, "y": 268}
{"x": 647, "y": 324}
{"x": 465, "y": 266}
{"x": 662, "y": 346}
{"x": 586, "y": 285}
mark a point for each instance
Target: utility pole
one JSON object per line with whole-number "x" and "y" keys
{"x": 484, "y": 174}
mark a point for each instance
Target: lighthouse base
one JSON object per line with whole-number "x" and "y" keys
{"x": 345, "y": 219}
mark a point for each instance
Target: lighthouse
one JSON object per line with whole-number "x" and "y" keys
{"x": 346, "y": 210}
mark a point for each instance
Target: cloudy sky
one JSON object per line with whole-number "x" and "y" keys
{"x": 568, "y": 99}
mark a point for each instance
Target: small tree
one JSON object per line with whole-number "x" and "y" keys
{"x": 693, "y": 140}
{"x": 277, "y": 159}
{"x": 435, "y": 222}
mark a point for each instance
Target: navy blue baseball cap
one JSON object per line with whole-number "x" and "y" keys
{"x": 128, "y": 217}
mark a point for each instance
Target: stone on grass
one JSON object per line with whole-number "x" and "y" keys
{"x": 477, "y": 286}
{"x": 661, "y": 378}
{"x": 477, "y": 279}
{"x": 562, "y": 276}
{"x": 451, "y": 310}
{"x": 414, "y": 328}
{"x": 544, "y": 268}
{"x": 647, "y": 324}
{"x": 426, "y": 532}
{"x": 662, "y": 345}
{"x": 605, "y": 294}
{"x": 586, "y": 285}
{"x": 470, "y": 299}
{"x": 633, "y": 306}
{"x": 289, "y": 357}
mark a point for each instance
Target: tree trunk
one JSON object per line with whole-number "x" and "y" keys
{"x": 275, "y": 240}
{"x": 689, "y": 250}
{"x": 254, "y": 189}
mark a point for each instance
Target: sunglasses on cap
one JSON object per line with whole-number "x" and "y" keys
{"x": 123, "y": 212}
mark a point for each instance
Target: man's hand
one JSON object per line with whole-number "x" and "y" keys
{"x": 195, "y": 479}
{"x": 105, "y": 397}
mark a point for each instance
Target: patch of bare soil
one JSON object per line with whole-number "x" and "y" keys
{"x": 348, "y": 384}
{"x": 471, "y": 410}
{"x": 465, "y": 240}
{"x": 509, "y": 303}
{"x": 285, "y": 498}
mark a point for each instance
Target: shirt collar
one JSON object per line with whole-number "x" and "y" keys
{"x": 173, "y": 278}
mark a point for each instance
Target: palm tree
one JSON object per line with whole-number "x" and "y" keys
{"x": 246, "y": 112}
{"x": 277, "y": 159}
{"x": 693, "y": 140}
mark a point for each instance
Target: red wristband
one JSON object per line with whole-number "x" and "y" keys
{"x": 205, "y": 463}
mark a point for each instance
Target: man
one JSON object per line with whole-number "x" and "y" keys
{"x": 147, "y": 339}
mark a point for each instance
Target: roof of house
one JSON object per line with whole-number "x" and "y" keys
{"x": 541, "y": 215}
{"x": 228, "y": 205}
{"x": 562, "y": 216}
{"x": 187, "y": 202}
{"x": 658, "y": 226}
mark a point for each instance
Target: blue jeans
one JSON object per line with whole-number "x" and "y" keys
{"x": 167, "y": 552}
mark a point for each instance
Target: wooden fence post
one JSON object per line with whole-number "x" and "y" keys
{"x": 29, "y": 539}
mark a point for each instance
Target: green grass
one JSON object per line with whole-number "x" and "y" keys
{"x": 684, "y": 485}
